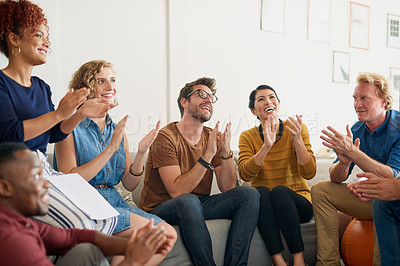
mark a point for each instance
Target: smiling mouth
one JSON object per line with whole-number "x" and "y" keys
{"x": 206, "y": 107}
{"x": 270, "y": 109}
{"x": 44, "y": 52}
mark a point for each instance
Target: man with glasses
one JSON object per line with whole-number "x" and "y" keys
{"x": 179, "y": 173}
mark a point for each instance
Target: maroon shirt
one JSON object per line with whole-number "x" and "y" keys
{"x": 24, "y": 241}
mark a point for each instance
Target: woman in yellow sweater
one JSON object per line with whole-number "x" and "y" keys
{"x": 276, "y": 158}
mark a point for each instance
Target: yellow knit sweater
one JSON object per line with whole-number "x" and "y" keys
{"x": 280, "y": 165}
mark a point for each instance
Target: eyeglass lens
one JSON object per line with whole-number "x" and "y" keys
{"x": 204, "y": 94}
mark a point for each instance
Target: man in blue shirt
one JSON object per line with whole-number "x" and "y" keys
{"x": 372, "y": 143}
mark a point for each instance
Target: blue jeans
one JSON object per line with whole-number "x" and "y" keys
{"x": 387, "y": 224}
{"x": 239, "y": 204}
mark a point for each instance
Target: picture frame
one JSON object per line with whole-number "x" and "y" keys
{"x": 395, "y": 80}
{"x": 341, "y": 67}
{"x": 393, "y": 31}
{"x": 273, "y": 16}
{"x": 319, "y": 20}
{"x": 359, "y": 26}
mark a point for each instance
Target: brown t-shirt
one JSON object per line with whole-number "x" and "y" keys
{"x": 171, "y": 148}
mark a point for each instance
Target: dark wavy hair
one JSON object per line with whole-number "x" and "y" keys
{"x": 252, "y": 97}
{"x": 17, "y": 16}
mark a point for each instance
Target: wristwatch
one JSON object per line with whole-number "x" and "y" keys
{"x": 228, "y": 157}
{"x": 205, "y": 163}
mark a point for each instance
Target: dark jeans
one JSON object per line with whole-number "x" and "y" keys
{"x": 239, "y": 204}
{"x": 282, "y": 209}
{"x": 387, "y": 224}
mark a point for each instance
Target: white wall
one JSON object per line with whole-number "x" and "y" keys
{"x": 157, "y": 46}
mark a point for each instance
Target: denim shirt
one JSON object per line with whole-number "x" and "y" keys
{"x": 90, "y": 142}
{"x": 383, "y": 144}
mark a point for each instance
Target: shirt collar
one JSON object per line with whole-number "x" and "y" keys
{"x": 86, "y": 122}
{"x": 384, "y": 125}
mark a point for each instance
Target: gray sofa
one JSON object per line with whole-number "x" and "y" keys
{"x": 219, "y": 230}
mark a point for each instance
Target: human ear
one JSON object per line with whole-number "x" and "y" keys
{"x": 183, "y": 102}
{"x": 14, "y": 39}
{"x": 5, "y": 188}
{"x": 253, "y": 112}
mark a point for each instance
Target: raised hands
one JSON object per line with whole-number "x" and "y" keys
{"x": 212, "y": 143}
{"x": 116, "y": 138}
{"x": 71, "y": 101}
{"x": 342, "y": 144}
{"x": 147, "y": 140}
{"x": 294, "y": 127}
{"x": 226, "y": 140}
{"x": 95, "y": 108}
{"x": 270, "y": 127}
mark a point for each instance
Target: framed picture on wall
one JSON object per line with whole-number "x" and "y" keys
{"x": 359, "y": 26}
{"x": 341, "y": 67}
{"x": 393, "y": 32}
{"x": 395, "y": 79}
{"x": 273, "y": 15}
{"x": 319, "y": 20}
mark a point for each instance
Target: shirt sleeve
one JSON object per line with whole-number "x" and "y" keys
{"x": 163, "y": 152}
{"x": 12, "y": 129}
{"x": 59, "y": 241}
{"x": 56, "y": 134}
{"x": 247, "y": 168}
{"x": 309, "y": 169}
{"x": 394, "y": 158}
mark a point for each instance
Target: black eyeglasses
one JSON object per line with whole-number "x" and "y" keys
{"x": 203, "y": 94}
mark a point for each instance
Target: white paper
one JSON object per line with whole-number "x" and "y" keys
{"x": 83, "y": 196}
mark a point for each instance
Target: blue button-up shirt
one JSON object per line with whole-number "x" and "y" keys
{"x": 383, "y": 144}
{"x": 90, "y": 142}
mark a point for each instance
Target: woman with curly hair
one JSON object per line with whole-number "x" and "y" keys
{"x": 98, "y": 150}
{"x": 27, "y": 113}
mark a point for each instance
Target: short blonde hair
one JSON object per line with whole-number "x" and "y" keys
{"x": 382, "y": 85}
{"x": 85, "y": 76}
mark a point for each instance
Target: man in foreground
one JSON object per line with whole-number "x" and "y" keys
{"x": 23, "y": 193}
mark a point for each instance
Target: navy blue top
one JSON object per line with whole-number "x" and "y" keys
{"x": 19, "y": 103}
{"x": 383, "y": 144}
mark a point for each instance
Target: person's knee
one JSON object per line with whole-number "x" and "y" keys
{"x": 319, "y": 190}
{"x": 281, "y": 195}
{"x": 248, "y": 193}
{"x": 263, "y": 191}
{"x": 280, "y": 190}
{"x": 169, "y": 231}
{"x": 84, "y": 254}
{"x": 188, "y": 204}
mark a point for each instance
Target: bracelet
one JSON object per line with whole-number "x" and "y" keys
{"x": 133, "y": 172}
{"x": 227, "y": 157}
{"x": 205, "y": 163}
